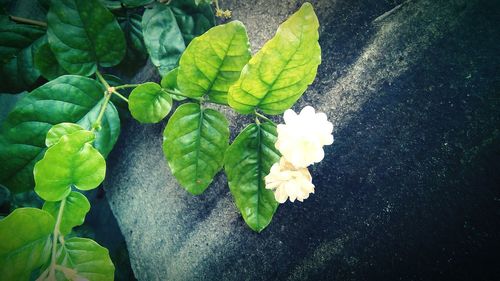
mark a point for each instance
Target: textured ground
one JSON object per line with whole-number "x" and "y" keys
{"x": 408, "y": 191}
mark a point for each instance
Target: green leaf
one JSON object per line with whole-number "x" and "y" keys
{"x": 73, "y": 99}
{"x": 193, "y": 18}
{"x": 83, "y": 34}
{"x": 72, "y": 161}
{"x": 135, "y": 38}
{"x": 18, "y": 42}
{"x": 136, "y": 3}
{"x": 194, "y": 143}
{"x": 168, "y": 29}
{"x": 149, "y": 103}
{"x": 163, "y": 37}
{"x": 90, "y": 260}
{"x": 46, "y": 62}
{"x": 169, "y": 82}
{"x": 213, "y": 62}
{"x": 76, "y": 208}
{"x": 7, "y": 103}
{"x": 16, "y": 37}
{"x": 280, "y": 72}
{"x": 57, "y": 131}
{"x": 136, "y": 53}
{"x": 247, "y": 161}
{"x": 25, "y": 244}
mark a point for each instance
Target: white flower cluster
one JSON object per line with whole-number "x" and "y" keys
{"x": 300, "y": 142}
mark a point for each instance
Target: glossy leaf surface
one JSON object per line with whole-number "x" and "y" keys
{"x": 90, "y": 260}
{"x": 280, "y": 72}
{"x": 72, "y": 161}
{"x": 73, "y": 99}
{"x": 247, "y": 161}
{"x": 75, "y": 209}
{"x": 194, "y": 143}
{"x": 149, "y": 103}
{"x": 84, "y": 34}
{"x": 25, "y": 244}
{"x": 213, "y": 62}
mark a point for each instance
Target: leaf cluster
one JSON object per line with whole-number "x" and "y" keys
{"x": 57, "y": 137}
{"x": 217, "y": 67}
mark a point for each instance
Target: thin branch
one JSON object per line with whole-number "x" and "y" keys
{"x": 120, "y": 95}
{"x": 257, "y": 114}
{"x": 28, "y": 21}
{"x": 126, "y": 86}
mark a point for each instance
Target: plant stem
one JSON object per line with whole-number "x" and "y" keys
{"x": 97, "y": 123}
{"x": 28, "y": 21}
{"x": 120, "y": 95}
{"x": 103, "y": 81}
{"x": 257, "y": 114}
{"x": 107, "y": 96}
{"x": 52, "y": 270}
{"x": 126, "y": 86}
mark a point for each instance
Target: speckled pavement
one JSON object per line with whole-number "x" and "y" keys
{"x": 409, "y": 189}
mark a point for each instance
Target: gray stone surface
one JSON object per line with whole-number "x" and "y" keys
{"x": 408, "y": 191}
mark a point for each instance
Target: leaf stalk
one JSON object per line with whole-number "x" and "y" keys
{"x": 52, "y": 267}
{"x": 258, "y": 115}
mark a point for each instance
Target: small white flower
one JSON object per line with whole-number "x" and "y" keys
{"x": 302, "y": 137}
{"x": 289, "y": 182}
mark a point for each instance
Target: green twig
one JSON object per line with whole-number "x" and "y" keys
{"x": 107, "y": 95}
{"x": 126, "y": 86}
{"x": 103, "y": 81}
{"x": 55, "y": 235}
{"x": 120, "y": 95}
{"x": 28, "y": 21}
{"x": 97, "y": 123}
{"x": 257, "y": 114}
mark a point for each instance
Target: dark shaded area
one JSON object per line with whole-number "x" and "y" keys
{"x": 415, "y": 175}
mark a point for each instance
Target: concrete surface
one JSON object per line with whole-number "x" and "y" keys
{"x": 408, "y": 191}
